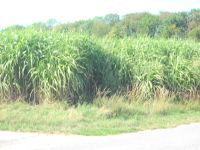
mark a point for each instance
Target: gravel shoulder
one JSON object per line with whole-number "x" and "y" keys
{"x": 184, "y": 137}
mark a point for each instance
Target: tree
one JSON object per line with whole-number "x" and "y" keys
{"x": 194, "y": 19}
{"x": 82, "y": 26}
{"x": 195, "y": 33}
{"x": 136, "y": 24}
{"x": 100, "y": 29}
{"x": 40, "y": 26}
{"x": 61, "y": 28}
{"x": 111, "y": 19}
{"x": 51, "y": 22}
{"x": 175, "y": 25}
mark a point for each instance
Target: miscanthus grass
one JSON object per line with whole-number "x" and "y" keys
{"x": 42, "y": 65}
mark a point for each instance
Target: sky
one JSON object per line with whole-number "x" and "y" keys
{"x": 25, "y": 12}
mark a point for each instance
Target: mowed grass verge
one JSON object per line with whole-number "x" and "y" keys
{"x": 103, "y": 117}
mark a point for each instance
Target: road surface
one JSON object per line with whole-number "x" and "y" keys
{"x": 184, "y": 137}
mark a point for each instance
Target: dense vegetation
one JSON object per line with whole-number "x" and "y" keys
{"x": 36, "y": 65}
{"x": 141, "y": 71}
{"x": 165, "y": 25}
{"x": 142, "y": 54}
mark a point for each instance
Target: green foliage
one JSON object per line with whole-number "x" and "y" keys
{"x": 111, "y": 19}
{"x": 195, "y": 33}
{"x": 174, "y": 26}
{"x": 165, "y": 25}
{"x": 62, "y": 28}
{"x": 100, "y": 29}
{"x": 40, "y": 26}
{"x": 45, "y": 64}
{"x": 38, "y": 65}
{"x": 195, "y": 15}
{"x": 136, "y": 24}
{"x": 14, "y": 28}
{"x": 155, "y": 64}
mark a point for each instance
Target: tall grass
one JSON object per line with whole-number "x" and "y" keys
{"x": 46, "y": 65}
{"x": 37, "y": 65}
{"x": 157, "y": 64}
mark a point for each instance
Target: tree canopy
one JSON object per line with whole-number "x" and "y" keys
{"x": 165, "y": 25}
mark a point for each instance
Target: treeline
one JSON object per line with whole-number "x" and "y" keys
{"x": 166, "y": 25}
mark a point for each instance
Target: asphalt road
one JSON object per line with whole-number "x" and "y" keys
{"x": 185, "y": 137}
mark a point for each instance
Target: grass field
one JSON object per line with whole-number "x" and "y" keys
{"x": 104, "y": 117}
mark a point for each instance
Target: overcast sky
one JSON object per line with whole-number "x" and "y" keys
{"x": 25, "y": 12}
